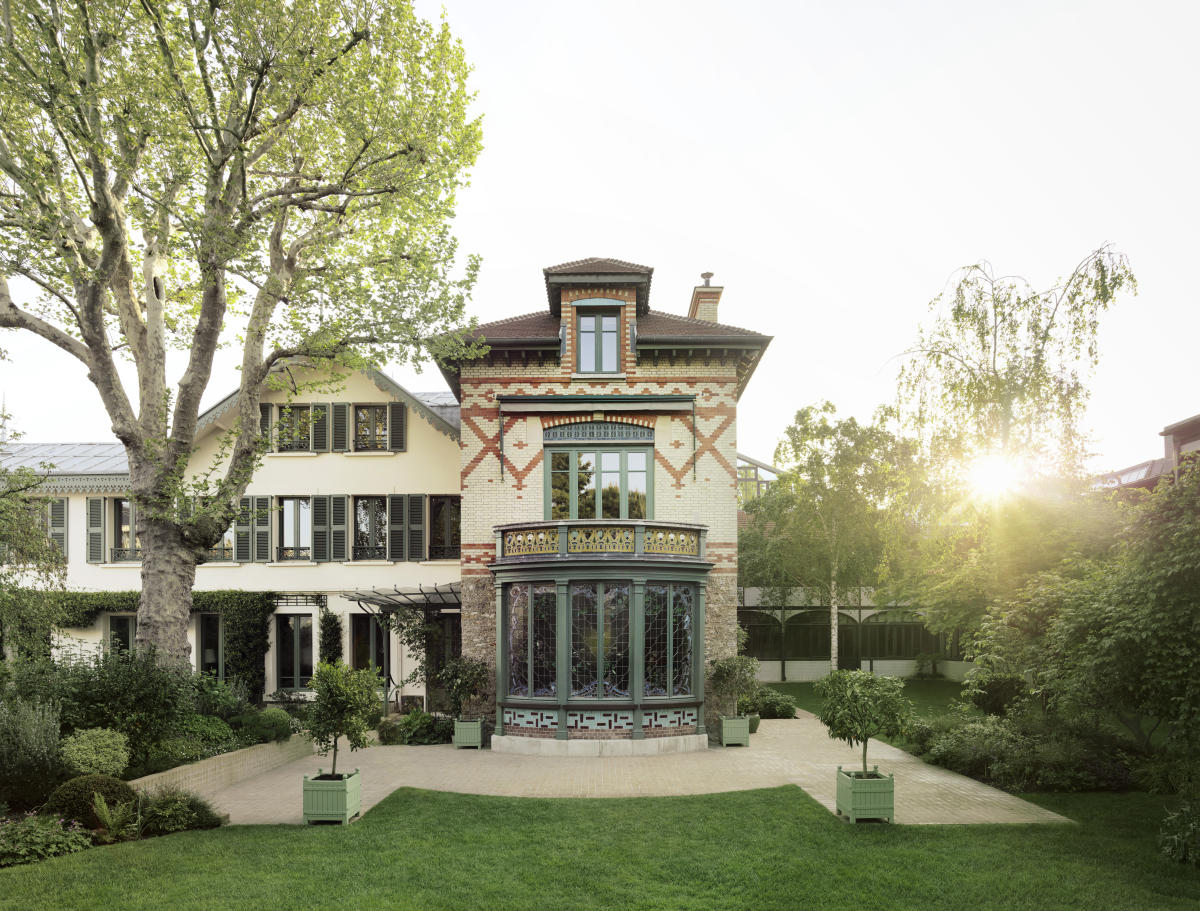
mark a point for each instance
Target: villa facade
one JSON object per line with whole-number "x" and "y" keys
{"x": 569, "y": 515}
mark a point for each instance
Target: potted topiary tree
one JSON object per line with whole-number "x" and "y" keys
{"x": 465, "y": 679}
{"x": 345, "y": 705}
{"x": 859, "y": 705}
{"x": 728, "y": 679}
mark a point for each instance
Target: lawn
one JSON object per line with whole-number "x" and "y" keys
{"x": 764, "y": 849}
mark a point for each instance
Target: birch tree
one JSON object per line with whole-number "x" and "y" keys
{"x": 178, "y": 175}
{"x": 820, "y": 525}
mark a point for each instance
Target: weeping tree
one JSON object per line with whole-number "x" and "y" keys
{"x": 180, "y": 176}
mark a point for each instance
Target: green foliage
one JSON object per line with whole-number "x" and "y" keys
{"x": 96, "y": 751}
{"x": 173, "y": 809}
{"x": 859, "y": 705}
{"x": 119, "y": 822}
{"x": 129, "y": 692}
{"x": 29, "y": 751}
{"x": 464, "y": 679}
{"x": 730, "y": 677}
{"x": 346, "y": 705}
{"x": 994, "y": 692}
{"x": 329, "y": 645}
{"x": 766, "y": 702}
{"x": 31, "y": 838}
{"x": 416, "y": 728}
{"x": 265, "y": 726}
{"x": 75, "y": 798}
{"x": 224, "y": 699}
{"x": 1179, "y": 836}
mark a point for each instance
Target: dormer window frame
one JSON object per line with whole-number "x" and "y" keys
{"x": 596, "y": 311}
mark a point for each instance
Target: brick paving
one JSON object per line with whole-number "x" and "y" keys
{"x": 795, "y": 752}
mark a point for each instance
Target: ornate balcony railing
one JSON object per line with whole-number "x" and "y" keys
{"x": 283, "y": 554}
{"x": 603, "y": 537}
{"x": 370, "y": 552}
{"x": 126, "y": 554}
{"x": 444, "y": 551}
{"x": 220, "y": 555}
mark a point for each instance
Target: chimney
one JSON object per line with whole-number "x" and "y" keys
{"x": 705, "y": 299}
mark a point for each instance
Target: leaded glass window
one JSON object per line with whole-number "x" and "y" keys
{"x": 370, "y": 428}
{"x": 615, "y": 680}
{"x": 599, "y": 639}
{"x": 667, "y": 653}
{"x": 531, "y": 631}
{"x": 370, "y": 528}
{"x": 586, "y": 482}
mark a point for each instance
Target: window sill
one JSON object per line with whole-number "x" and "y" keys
{"x": 219, "y": 564}
{"x": 448, "y": 562}
{"x": 366, "y": 563}
{"x": 369, "y": 453}
{"x": 599, "y": 376}
{"x": 296, "y": 455}
{"x": 293, "y": 563}
{"x": 124, "y": 564}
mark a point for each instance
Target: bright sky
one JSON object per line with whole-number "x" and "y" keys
{"x": 832, "y": 163}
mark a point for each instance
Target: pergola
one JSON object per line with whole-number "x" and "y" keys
{"x": 444, "y": 598}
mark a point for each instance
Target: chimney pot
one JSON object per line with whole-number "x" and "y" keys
{"x": 705, "y": 299}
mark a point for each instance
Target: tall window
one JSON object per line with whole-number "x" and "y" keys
{"x": 589, "y": 483}
{"x": 600, "y": 639}
{"x": 370, "y": 528}
{"x": 444, "y": 515}
{"x": 294, "y": 650}
{"x": 668, "y": 642}
{"x": 598, "y": 343}
{"x": 295, "y": 529}
{"x": 370, "y": 428}
{"x": 212, "y": 648}
{"x": 368, "y": 643}
{"x": 122, "y": 631}
{"x": 530, "y": 627}
{"x": 222, "y": 551}
{"x": 293, "y": 428}
{"x": 127, "y": 545}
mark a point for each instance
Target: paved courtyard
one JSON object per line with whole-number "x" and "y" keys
{"x": 795, "y": 752}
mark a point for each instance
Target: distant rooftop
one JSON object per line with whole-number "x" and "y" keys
{"x": 66, "y": 458}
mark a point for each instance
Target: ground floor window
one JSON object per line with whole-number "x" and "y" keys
{"x": 368, "y": 643}
{"x": 600, "y": 639}
{"x": 294, "y": 650}
{"x": 532, "y": 641}
{"x": 212, "y": 646}
{"x": 668, "y": 648}
{"x": 122, "y": 631}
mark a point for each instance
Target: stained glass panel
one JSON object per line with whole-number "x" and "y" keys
{"x": 518, "y": 640}
{"x": 585, "y": 634}
{"x": 655, "y": 650}
{"x": 681, "y": 640}
{"x": 545, "y": 640}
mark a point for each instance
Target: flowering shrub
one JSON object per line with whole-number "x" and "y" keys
{"x": 31, "y": 838}
{"x": 96, "y": 751}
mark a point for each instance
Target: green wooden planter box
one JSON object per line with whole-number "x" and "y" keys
{"x": 332, "y": 801}
{"x": 468, "y": 734}
{"x": 865, "y": 798}
{"x": 735, "y": 731}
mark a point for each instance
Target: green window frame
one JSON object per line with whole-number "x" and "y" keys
{"x": 598, "y": 349}
{"x": 370, "y": 645}
{"x": 669, "y": 640}
{"x": 122, "y": 632}
{"x": 128, "y": 543}
{"x": 370, "y": 528}
{"x": 293, "y": 651}
{"x": 210, "y": 645}
{"x": 370, "y": 428}
{"x": 601, "y": 639}
{"x": 579, "y": 482}
{"x": 295, "y": 529}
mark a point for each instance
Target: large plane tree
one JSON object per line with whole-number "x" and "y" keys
{"x": 179, "y": 175}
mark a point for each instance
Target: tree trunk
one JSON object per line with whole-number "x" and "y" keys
{"x": 833, "y": 623}
{"x": 864, "y": 759}
{"x": 168, "y": 573}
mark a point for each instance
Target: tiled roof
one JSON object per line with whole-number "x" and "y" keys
{"x": 539, "y": 326}
{"x": 659, "y": 325}
{"x": 443, "y": 404}
{"x": 597, "y": 265}
{"x": 66, "y": 458}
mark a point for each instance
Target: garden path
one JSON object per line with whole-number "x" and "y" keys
{"x": 795, "y": 752}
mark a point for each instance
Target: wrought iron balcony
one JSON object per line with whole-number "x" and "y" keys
{"x": 220, "y": 555}
{"x": 575, "y": 539}
{"x": 283, "y": 554}
{"x": 370, "y": 552}
{"x": 126, "y": 554}
{"x": 444, "y": 551}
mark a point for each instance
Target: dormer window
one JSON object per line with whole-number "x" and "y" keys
{"x": 599, "y": 341}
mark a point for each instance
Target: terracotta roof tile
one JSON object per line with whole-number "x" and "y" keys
{"x": 596, "y": 265}
{"x": 659, "y": 325}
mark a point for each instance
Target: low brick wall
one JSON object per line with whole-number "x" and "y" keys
{"x": 208, "y": 776}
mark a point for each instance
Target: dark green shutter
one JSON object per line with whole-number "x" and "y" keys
{"x": 320, "y": 529}
{"x": 395, "y": 541}
{"x": 241, "y": 533}
{"x": 338, "y": 510}
{"x": 320, "y": 428}
{"x": 341, "y": 427}
{"x": 262, "y": 529}
{"x": 95, "y": 529}
{"x": 265, "y": 417}
{"x": 416, "y": 527}
{"x": 397, "y": 427}
{"x": 58, "y": 524}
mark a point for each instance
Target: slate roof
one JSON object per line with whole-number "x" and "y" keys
{"x": 443, "y": 404}
{"x": 66, "y": 458}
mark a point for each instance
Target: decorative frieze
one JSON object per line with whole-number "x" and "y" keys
{"x": 664, "y": 719}
{"x": 531, "y": 542}
{"x": 671, "y": 541}
{"x": 603, "y": 539}
{"x": 601, "y": 431}
{"x": 599, "y": 721}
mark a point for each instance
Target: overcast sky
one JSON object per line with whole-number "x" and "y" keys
{"x": 832, "y": 163}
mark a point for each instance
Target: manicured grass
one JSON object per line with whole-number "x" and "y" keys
{"x": 762, "y": 849}
{"x": 930, "y": 697}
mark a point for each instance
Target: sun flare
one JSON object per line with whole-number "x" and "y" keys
{"x": 993, "y": 476}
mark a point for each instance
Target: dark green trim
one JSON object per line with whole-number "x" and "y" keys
{"x": 573, "y": 449}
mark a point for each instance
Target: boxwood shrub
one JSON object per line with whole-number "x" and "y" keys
{"x": 74, "y": 799}
{"x": 96, "y": 751}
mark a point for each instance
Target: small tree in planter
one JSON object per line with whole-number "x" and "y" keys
{"x": 729, "y": 679}
{"x": 346, "y": 704}
{"x": 859, "y": 705}
{"x": 465, "y": 679}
